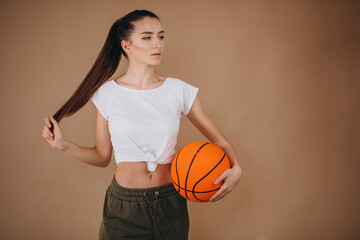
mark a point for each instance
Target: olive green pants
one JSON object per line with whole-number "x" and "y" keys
{"x": 144, "y": 213}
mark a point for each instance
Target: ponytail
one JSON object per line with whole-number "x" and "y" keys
{"x": 104, "y": 66}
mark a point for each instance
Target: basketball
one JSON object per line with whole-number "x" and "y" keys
{"x": 194, "y": 169}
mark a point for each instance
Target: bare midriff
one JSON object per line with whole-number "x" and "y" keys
{"x": 137, "y": 175}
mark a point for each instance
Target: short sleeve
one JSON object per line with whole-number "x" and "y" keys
{"x": 188, "y": 97}
{"x": 101, "y": 99}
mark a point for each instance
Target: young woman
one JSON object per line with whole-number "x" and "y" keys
{"x": 138, "y": 114}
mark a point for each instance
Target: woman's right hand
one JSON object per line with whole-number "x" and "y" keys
{"x": 56, "y": 139}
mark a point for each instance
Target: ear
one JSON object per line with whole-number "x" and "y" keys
{"x": 125, "y": 45}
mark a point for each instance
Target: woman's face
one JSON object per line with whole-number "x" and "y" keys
{"x": 147, "y": 39}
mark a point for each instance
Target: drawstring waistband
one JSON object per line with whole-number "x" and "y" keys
{"x": 137, "y": 194}
{"x": 147, "y": 194}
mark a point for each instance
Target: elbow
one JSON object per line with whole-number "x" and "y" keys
{"x": 222, "y": 141}
{"x": 105, "y": 162}
{"x": 103, "y": 159}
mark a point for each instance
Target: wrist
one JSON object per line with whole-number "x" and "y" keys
{"x": 63, "y": 145}
{"x": 236, "y": 166}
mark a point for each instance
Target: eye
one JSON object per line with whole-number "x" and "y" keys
{"x": 146, "y": 38}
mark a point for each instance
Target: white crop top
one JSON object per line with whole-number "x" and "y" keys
{"x": 144, "y": 124}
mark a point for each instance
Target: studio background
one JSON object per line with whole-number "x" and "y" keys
{"x": 279, "y": 78}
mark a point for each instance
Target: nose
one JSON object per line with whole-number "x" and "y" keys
{"x": 157, "y": 43}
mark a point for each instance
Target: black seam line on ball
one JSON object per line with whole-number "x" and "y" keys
{"x": 187, "y": 175}
{"x": 196, "y": 191}
{"x": 193, "y": 192}
{"x": 177, "y": 174}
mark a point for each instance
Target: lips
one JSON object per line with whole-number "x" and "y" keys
{"x": 156, "y": 54}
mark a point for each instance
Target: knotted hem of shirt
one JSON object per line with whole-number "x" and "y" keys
{"x": 151, "y": 166}
{"x": 150, "y": 159}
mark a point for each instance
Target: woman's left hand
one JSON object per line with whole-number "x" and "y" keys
{"x": 231, "y": 177}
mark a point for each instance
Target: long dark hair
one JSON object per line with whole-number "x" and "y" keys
{"x": 105, "y": 64}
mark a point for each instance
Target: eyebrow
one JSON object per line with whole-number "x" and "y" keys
{"x": 162, "y": 31}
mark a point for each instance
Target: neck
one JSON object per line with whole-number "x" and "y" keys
{"x": 141, "y": 74}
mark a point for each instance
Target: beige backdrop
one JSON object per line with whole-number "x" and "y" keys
{"x": 278, "y": 78}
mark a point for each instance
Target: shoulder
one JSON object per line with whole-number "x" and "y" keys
{"x": 107, "y": 87}
{"x": 183, "y": 88}
{"x": 106, "y": 90}
{"x": 180, "y": 83}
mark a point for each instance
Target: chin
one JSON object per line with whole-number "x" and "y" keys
{"x": 155, "y": 63}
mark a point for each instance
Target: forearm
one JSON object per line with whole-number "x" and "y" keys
{"x": 230, "y": 152}
{"x": 84, "y": 154}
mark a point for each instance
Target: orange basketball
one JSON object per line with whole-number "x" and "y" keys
{"x": 195, "y": 168}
